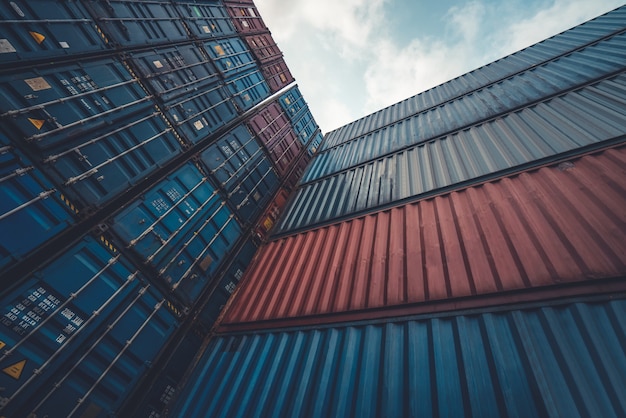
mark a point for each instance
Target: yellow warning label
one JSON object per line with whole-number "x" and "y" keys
{"x": 219, "y": 50}
{"x": 268, "y": 223}
{"x": 37, "y": 122}
{"x": 15, "y": 370}
{"x": 2, "y": 345}
{"x": 38, "y": 37}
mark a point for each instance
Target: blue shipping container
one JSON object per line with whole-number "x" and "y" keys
{"x": 53, "y": 105}
{"x": 78, "y": 335}
{"x": 248, "y": 89}
{"x": 227, "y": 286}
{"x": 565, "y": 361}
{"x": 304, "y": 126}
{"x": 205, "y": 19}
{"x": 42, "y": 29}
{"x": 108, "y": 161}
{"x": 31, "y": 210}
{"x": 314, "y": 145}
{"x": 231, "y": 56}
{"x": 138, "y": 22}
{"x": 240, "y": 166}
{"x": 293, "y": 102}
{"x": 191, "y": 91}
{"x": 182, "y": 228}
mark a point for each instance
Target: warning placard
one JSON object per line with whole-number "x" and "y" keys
{"x": 15, "y": 370}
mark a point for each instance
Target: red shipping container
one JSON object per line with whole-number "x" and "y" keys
{"x": 277, "y": 75}
{"x": 554, "y": 231}
{"x": 263, "y": 47}
{"x": 271, "y": 214}
{"x": 246, "y": 18}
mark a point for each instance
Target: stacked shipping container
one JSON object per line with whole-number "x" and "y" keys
{"x": 460, "y": 253}
{"x": 136, "y": 165}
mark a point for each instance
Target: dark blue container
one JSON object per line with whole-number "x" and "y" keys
{"x": 205, "y": 19}
{"x": 240, "y": 166}
{"x": 138, "y": 22}
{"x": 315, "y": 143}
{"x": 31, "y": 210}
{"x": 248, "y": 89}
{"x": 44, "y": 29}
{"x": 52, "y": 106}
{"x": 231, "y": 56}
{"x": 189, "y": 87}
{"x": 79, "y": 334}
{"x": 293, "y": 103}
{"x": 305, "y": 126}
{"x": 110, "y": 160}
{"x": 182, "y": 228}
{"x": 227, "y": 286}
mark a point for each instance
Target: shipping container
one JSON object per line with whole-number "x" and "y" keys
{"x": 231, "y": 56}
{"x": 246, "y": 18}
{"x": 138, "y": 23}
{"x": 205, "y": 19}
{"x": 526, "y": 88}
{"x": 238, "y": 164}
{"x": 53, "y": 104}
{"x": 248, "y": 89}
{"x": 564, "y": 360}
{"x": 293, "y": 103}
{"x": 32, "y": 211}
{"x": 78, "y": 334}
{"x": 263, "y": 47}
{"x": 299, "y": 167}
{"x": 165, "y": 388}
{"x": 272, "y": 126}
{"x": 565, "y": 124}
{"x": 271, "y": 214}
{"x": 277, "y": 75}
{"x": 558, "y": 225}
{"x": 181, "y": 228}
{"x": 305, "y": 127}
{"x": 233, "y": 274}
{"x": 34, "y": 31}
{"x": 315, "y": 143}
{"x": 547, "y": 50}
{"x": 189, "y": 88}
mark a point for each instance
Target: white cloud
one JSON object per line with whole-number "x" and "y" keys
{"x": 348, "y": 64}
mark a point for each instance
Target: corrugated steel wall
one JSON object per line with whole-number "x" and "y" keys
{"x": 126, "y": 126}
{"x": 585, "y": 117}
{"x": 556, "y": 361}
{"x": 559, "y": 224}
{"x": 535, "y": 55}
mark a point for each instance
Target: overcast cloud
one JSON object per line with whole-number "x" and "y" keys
{"x": 350, "y": 59}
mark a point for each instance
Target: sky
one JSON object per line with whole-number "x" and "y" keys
{"x": 353, "y": 57}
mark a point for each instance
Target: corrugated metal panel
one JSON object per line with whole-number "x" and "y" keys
{"x": 248, "y": 89}
{"x": 583, "y": 117}
{"x": 31, "y": 210}
{"x": 78, "y": 334}
{"x": 298, "y": 169}
{"x": 561, "y": 224}
{"x": 546, "y": 50}
{"x": 263, "y": 47}
{"x": 246, "y": 18}
{"x": 189, "y": 89}
{"x": 138, "y": 22}
{"x": 277, "y": 75}
{"x": 32, "y": 30}
{"x": 520, "y": 90}
{"x": 238, "y": 164}
{"x": 180, "y": 227}
{"x": 231, "y": 56}
{"x": 563, "y": 361}
{"x": 205, "y": 19}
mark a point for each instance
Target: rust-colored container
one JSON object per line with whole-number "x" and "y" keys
{"x": 554, "y": 231}
{"x": 271, "y": 214}
{"x": 271, "y": 125}
{"x": 246, "y": 18}
{"x": 263, "y": 47}
{"x": 293, "y": 178}
{"x": 277, "y": 74}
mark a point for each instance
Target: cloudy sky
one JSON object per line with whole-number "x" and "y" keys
{"x": 353, "y": 57}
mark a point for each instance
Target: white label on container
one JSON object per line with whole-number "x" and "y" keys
{"x": 206, "y": 29}
{"x": 38, "y": 83}
{"x": 245, "y": 24}
{"x": 198, "y": 125}
{"x": 6, "y": 47}
{"x": 251, "y": 11}
{"x": 64, "y": 45}
{"x": 157, "y": 64}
